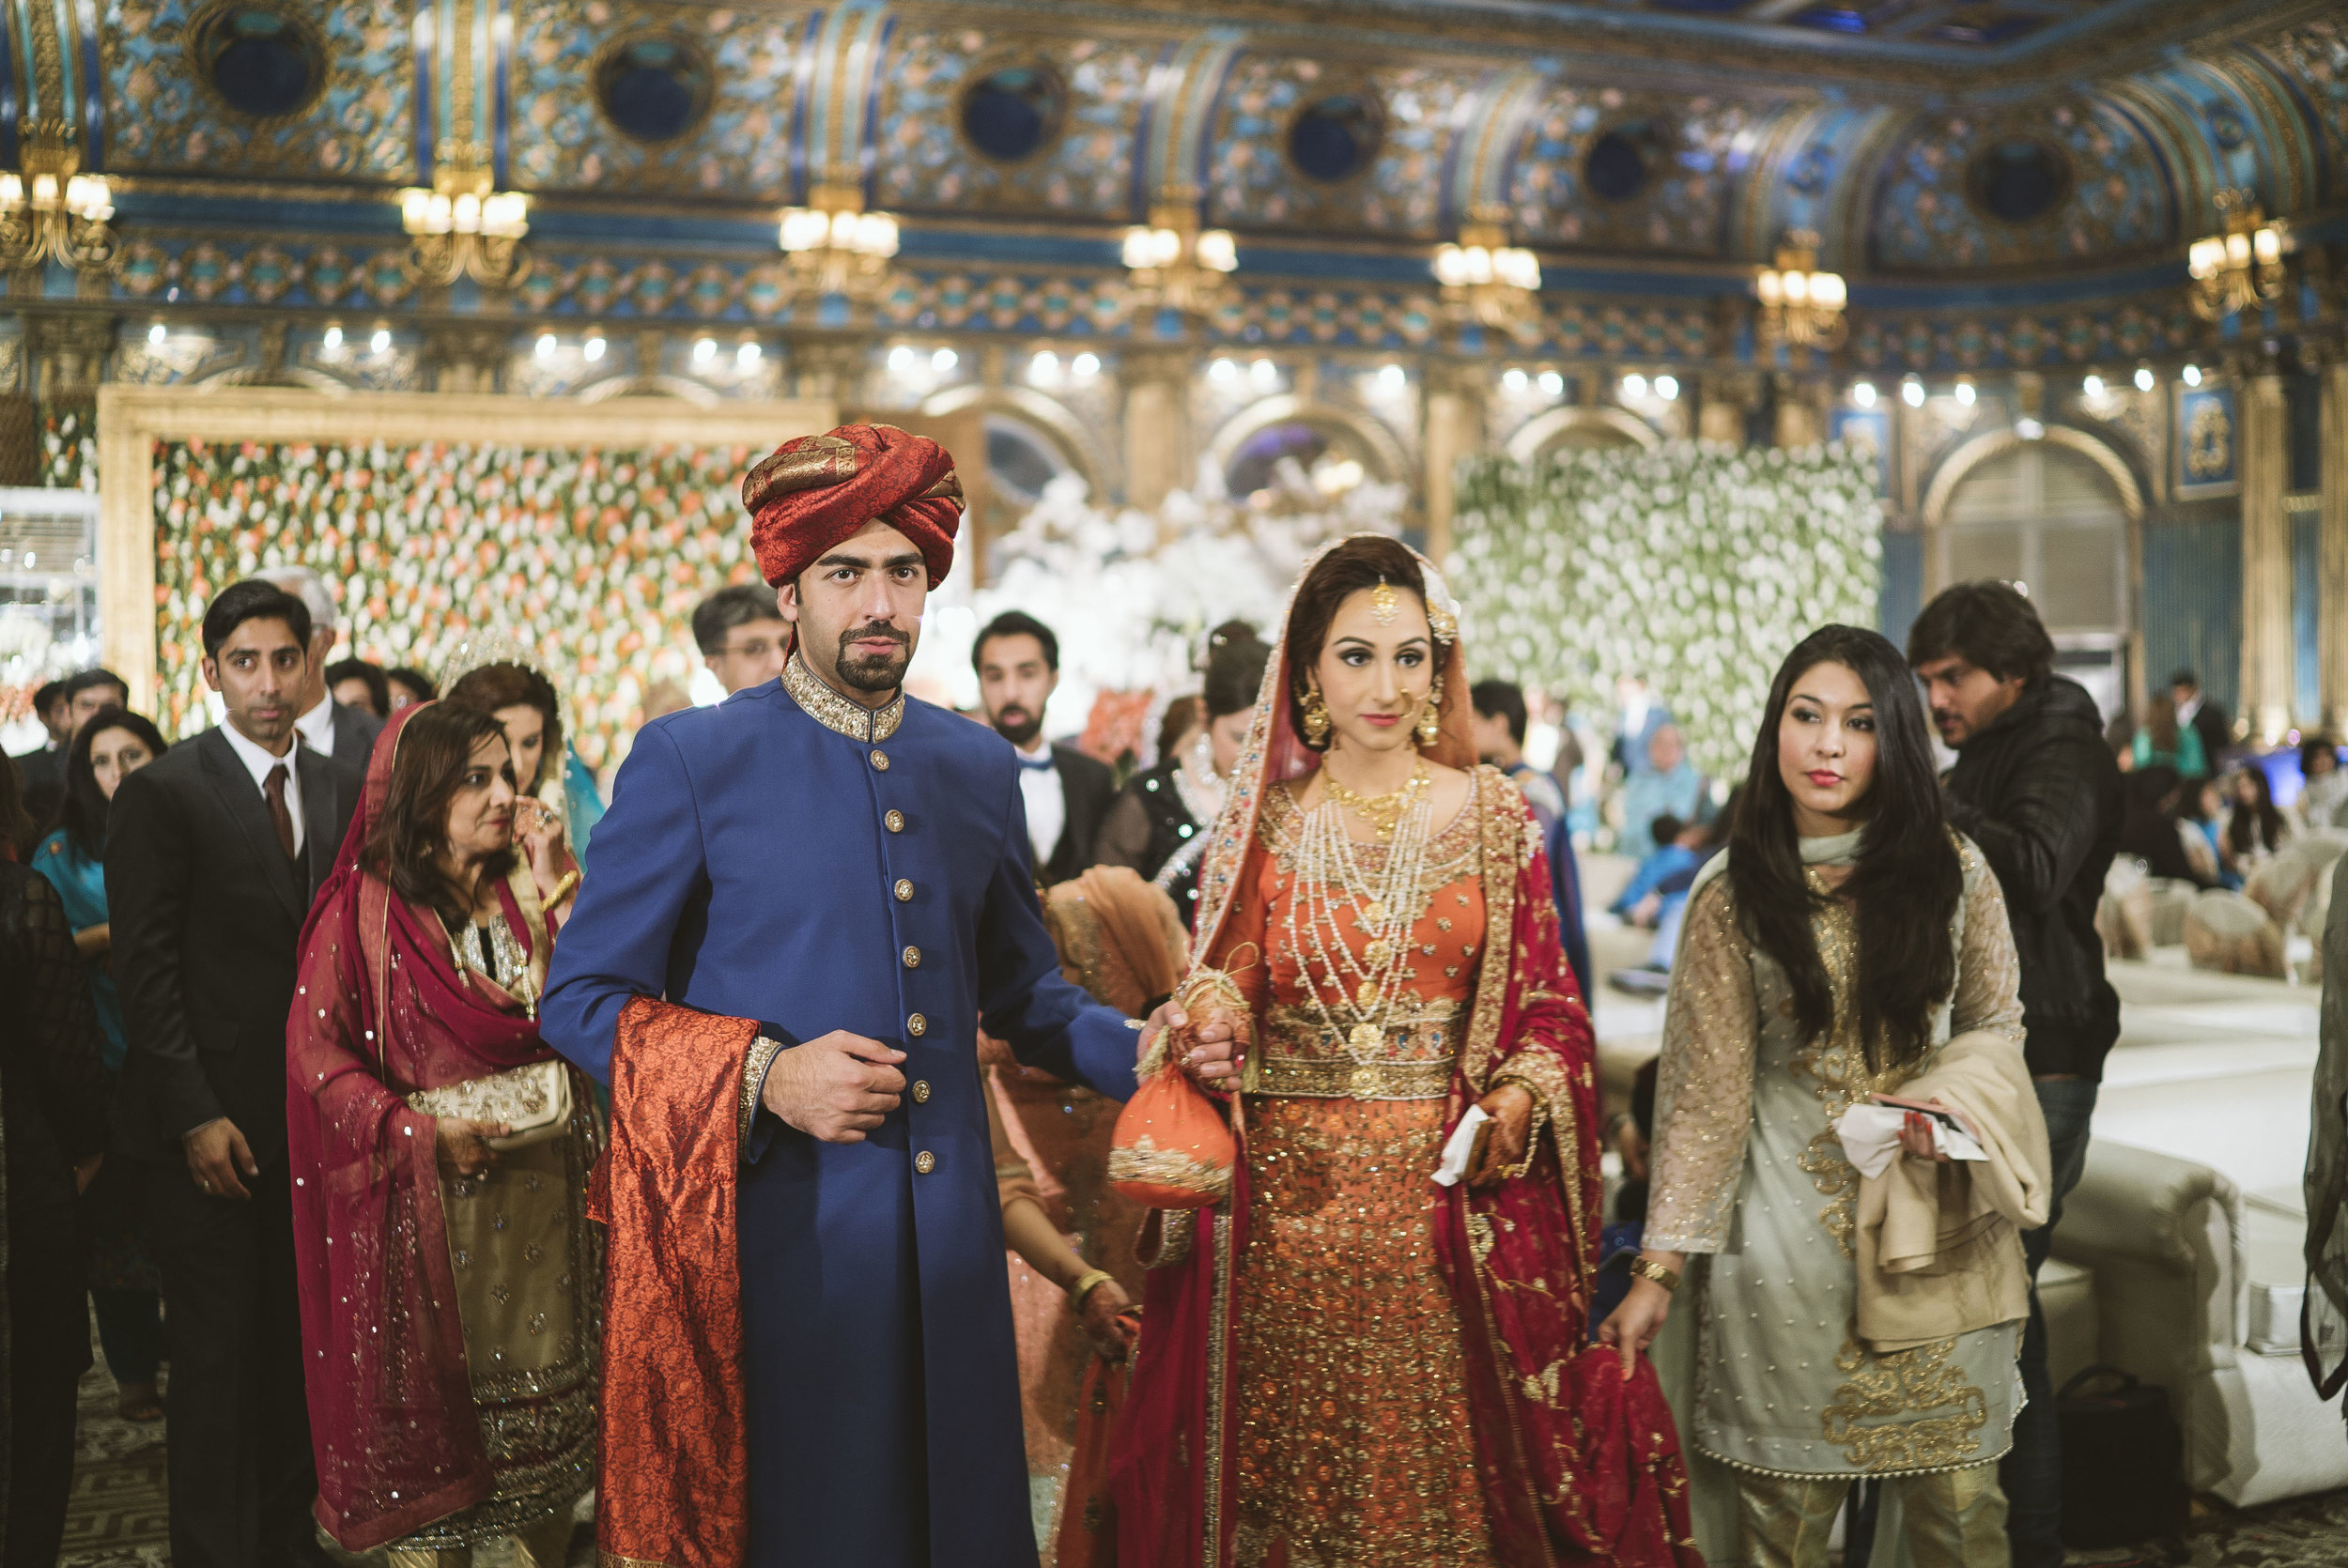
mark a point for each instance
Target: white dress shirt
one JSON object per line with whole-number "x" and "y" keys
{"x": 258, "y": 762}
{"x": 1047, "y": 802}
{"x": 316, "y": 726}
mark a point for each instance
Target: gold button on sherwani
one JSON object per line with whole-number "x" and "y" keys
{"x": 925, "y": 1163}
{"x": 920, "y": 1091}
{"x": 905, "y": 891}
{"x": 896, "y": 821}
{"x": 913, "y": 958}
{"x": 880, "y": 759}
{"x": 916, "y": 1025}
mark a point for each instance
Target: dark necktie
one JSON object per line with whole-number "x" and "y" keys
{"x": 274, "y": 788}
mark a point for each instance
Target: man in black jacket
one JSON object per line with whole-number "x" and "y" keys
{"x": 213, "y": 854}
{"x": 1067, "y": 792}
{"x": 2037, "y": 788}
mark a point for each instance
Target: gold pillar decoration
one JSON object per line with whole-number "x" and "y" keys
{"x": 2331, "y": 624}
{"x": 1454, "y": 429}
{"x": 1727, "y": 400}
{"x": 1800, "y": 420}
{"x": 1158, "y": 455}
{"x": 2266, "y": 642}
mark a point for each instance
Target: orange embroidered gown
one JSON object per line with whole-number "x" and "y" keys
{"x": 1354, "y": 1444}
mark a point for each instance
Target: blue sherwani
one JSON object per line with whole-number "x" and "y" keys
{"x": 834, "y": 873}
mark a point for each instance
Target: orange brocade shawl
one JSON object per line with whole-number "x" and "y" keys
{"x": 673, "y": 1484}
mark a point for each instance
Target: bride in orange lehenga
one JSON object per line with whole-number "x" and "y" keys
{"x": 1345, "y": 1364}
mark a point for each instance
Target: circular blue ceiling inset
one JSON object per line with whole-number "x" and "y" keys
{"x": 1334, "y": 138}
{"x": 654, "y": 87}
{"x": 263, "y": 63}
{"x": 1615, "y": 167}
{"x": 1011, "y": 112}
{"x": 2018, "y": 181}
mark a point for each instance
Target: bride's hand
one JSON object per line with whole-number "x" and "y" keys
{"x": 1510, "y": 1107}
{"x": 1207, "y": 1049}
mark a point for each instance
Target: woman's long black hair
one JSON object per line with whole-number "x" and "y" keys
{"x": 82, "y": 812}
{"x": 1909, "y": 878}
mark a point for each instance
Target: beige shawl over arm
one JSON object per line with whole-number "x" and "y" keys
{"x": 1939, "y": 1246}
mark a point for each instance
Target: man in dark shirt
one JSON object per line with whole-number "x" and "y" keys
{"x": 2036, "y": 788}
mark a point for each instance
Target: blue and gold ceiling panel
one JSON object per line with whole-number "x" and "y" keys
{"x": 654, "y": 98}
{"x": 1310, "y": 143}
{"x": 2068, "y": 182}
{"x": 270, "y": 88}
{"x": 1009, "y": 122}
{"x": 1631, "y": 171}
{"x": 2311, "y": 64}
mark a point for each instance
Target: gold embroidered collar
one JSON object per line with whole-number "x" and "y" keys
{"x": 834, "y": 711}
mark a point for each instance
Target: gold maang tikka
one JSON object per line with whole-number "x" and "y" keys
{"x": 1384, "y": 604}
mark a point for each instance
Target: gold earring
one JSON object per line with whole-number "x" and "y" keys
{"x": 1430, "y": 721}
{"x": 1315, "y": 720}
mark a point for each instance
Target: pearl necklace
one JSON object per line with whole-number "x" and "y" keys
{"x": 1330, "y": 883}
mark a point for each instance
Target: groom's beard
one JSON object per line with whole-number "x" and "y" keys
{"x": 875, "y": 673}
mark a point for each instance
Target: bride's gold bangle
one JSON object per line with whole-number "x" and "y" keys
{"x": 1648, "y": 1268}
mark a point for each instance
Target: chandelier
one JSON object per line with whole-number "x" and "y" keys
{"x": 836, "y": 247}
{"x": 1175, "y": 264}
{"x": 2241, "y": 267}
{"x": 1800, "y": 305}
{"x": 1488, "y": 281}
{"x": 465, "y": 226}
{"x": 53, "y": 211}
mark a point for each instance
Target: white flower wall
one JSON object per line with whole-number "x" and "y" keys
{"x": 1694, "y": 565}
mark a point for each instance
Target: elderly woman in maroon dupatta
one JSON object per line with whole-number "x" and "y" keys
{"x": 449, "y": 1275}
{"x": 1345, "y": 1363}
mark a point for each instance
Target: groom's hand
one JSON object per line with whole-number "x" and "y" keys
{"x": 835, "y": 1088}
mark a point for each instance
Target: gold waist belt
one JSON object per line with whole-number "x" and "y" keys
{"x": 1340, "y": 1078}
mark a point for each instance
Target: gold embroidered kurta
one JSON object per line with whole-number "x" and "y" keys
{"x": 1749, "y": 1170}
{"x": 528, "y": 1276}
{"x": 1353, "y": 1446}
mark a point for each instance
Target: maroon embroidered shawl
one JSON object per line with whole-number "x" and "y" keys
{"x": 382, "y": 1008}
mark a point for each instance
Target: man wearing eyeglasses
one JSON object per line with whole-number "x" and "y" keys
{"x": 742, "y": 638}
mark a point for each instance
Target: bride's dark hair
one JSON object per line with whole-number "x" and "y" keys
{"x": 1909, "y": 879}
{"x": 1356, "y": 564}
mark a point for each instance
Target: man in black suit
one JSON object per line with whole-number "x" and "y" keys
{"x": 1067, "y": 792}
{"x": 43, "y": 768}
{"x": 343, "y": 732}
{"x": 213, "y": 854}
{"x": 2206, "y": 714}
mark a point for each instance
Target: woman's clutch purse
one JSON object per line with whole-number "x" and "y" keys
{"x": 1171, "y": 1148}
{"x": 533, "y": 1101}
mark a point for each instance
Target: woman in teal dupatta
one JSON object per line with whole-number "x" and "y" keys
{"x": 124, "y": 1285}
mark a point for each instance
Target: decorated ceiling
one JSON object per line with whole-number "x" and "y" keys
{"x": 1007, "y": 112}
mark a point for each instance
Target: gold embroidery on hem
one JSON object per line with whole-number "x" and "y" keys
{"x": 1329, "y": 1078}
{"x": 1901, "y": 1383}
{"x": 1147, "y": 1162}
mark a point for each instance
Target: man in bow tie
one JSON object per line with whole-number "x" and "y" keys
{"x": 1066, "y": 793}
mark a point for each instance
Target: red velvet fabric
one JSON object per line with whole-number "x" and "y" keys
{"x": 382, "y": 1010}
{"x": 673, "y": 1478}
{"x": 815, "y": 491}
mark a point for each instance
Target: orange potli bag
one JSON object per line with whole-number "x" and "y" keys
{"x": 1172, "y": 1146}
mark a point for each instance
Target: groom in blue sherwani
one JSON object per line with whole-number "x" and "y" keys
{"x": 850, "y": 869}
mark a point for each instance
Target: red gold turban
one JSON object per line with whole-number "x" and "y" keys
{"x": 817, "y": 491}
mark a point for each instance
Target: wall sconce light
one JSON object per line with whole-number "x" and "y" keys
{"x": 1800, "y": 305}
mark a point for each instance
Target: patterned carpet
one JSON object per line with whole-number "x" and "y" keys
{"x": 118, "y": 1519}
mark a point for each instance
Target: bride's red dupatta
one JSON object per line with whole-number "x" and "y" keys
{"x": 1580, "y": 1466}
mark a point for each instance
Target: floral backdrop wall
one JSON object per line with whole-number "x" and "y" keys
{"x": 1694, "y": 566}
{"x": 594, "y": 559}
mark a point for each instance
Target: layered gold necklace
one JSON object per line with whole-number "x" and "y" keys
{"x": 1357, "y": 994}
